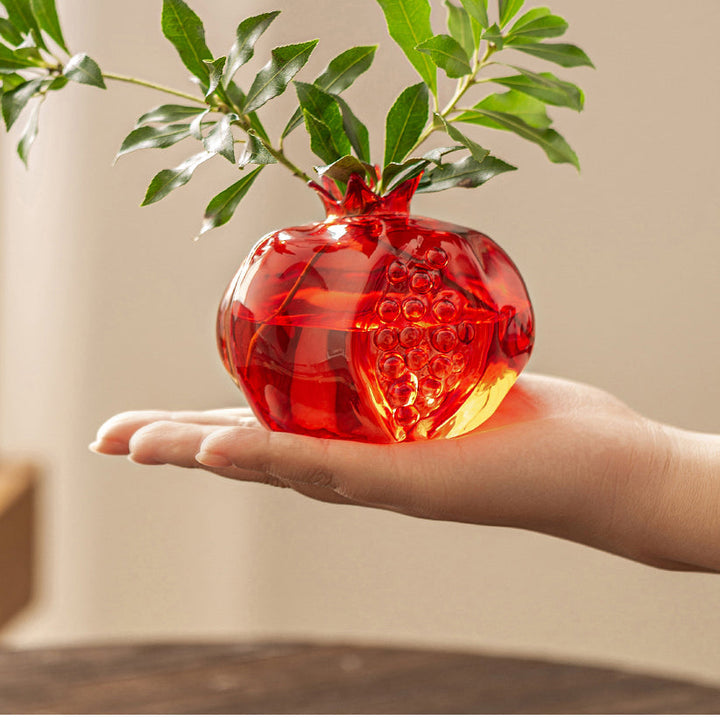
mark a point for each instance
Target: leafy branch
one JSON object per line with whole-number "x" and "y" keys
{"x": 35, "y": 61}
{"x": 470, "y": 49}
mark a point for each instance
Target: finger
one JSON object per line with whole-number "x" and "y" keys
{"x": 177, "y": 443}
{"x": 114, "y": 435}
{"x": 165, "y": 442}
{"x": 400, "y": 477}
{"x": 492, "y": 478}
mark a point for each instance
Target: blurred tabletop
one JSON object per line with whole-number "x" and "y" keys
{"x": 302, "y": 679}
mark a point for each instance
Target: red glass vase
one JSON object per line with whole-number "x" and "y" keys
{"x": 375, "y": 325}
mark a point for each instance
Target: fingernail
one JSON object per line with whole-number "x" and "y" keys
{"x": 212, "y": 460}
{"x": 103, "y": 446}
{"x": 135, "y": 461}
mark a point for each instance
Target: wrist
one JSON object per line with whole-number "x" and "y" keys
{"x": 684, "y": 526}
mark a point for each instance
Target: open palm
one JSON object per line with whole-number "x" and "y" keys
{"x": 557, "y": 457}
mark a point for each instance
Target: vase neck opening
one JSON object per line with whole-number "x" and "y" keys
{"x": 360, "y": 198}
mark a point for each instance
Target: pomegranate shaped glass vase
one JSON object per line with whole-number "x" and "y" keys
{"x": 375, "y": 325}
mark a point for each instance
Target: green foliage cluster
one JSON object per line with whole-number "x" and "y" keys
{"x": 35, "y": 61}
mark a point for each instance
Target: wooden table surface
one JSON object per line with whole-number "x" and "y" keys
{"x": 241, "y": 678}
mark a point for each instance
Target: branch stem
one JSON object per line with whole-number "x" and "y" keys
{"x": 153, "y": 86}
{"x": 277, "y": 153}
{"x": 463, "y": 85}
{"x": 244, "y": 121}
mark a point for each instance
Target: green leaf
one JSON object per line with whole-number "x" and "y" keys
{"x": 324, "y": 122}
{"x": 478, "y": 152}
{"x": 355, "y": 130}
{"x": 257, "y": 126}
{"x": 255, "y": 153}
{"x": 184, "y": 29}
{"x": 342, "y": 169}
{"x": 146, "y": 137}
{"x": 10, "y": 82}
{"x": 494, "y": 35}
{"x": 527, "y": 108}
{"x": 28, "y": 50}
{"x": 237, "y": 98}
{"x": 344, "y": 69}
{"x": 29, "y": 44}
{"x": 295, "y": 121}
{"x": 395, "y": 174}
{"x": 321, "y": 138}
{"x": 215, "y": 73}
{"x": 246, "y": 35}
{"x": 29, "y": 134}
{"x": 508, "y": 9}
{"x": 220, "y": 139}
{"x": 14, "y": 102}
{"x": 478, "y": 10}
{"x": 169, "y": 114}
{"x": 58, "y": 83}
{"x": 223, "y": 206}
{"x": 338, "y": 76}
{"x": 554, "y": 145}
{"x": 408, "y": 23}
{"x": 545, "y": 87}
{"x": 12, "y": 60}
{"x": 271, "y": 81}
{"x": 168, "y": 180}
{"x": 447, "y": 53}
{"x": 83, "y": 69}
{"x": 536, "y": 25}
{"x": 460, "y": 26}
{"x": 467, "y": 173}
{"x": 21, "y": 16}
{"x": 47, "y": 18}
{"x": 437, "y": 154}
{"x": 196, "y": 126}
{"x": 558, "y": 53}
{"x": 316, "y": 101}
{"x": 9, "y": 32}
{"x": 405, "y": 122}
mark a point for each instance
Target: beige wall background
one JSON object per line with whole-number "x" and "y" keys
{"x": 106, "y": 307}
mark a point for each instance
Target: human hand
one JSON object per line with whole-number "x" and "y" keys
{"x": 557, "y": 457}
